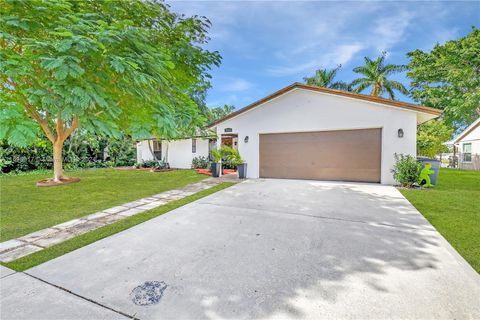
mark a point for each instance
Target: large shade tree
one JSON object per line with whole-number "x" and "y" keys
{"x": 111, "y": 67}
{"x": 326, "y": 78}
{"x": 375, "y": 75}
{"x": 448, "y": 78}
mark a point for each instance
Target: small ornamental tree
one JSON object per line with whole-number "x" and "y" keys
{"x": 110, "y": 67}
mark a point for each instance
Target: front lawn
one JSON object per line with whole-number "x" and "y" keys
{"x": 25, "y": 208}
{"x": 57, "y": 250}
{"x": 453, "y": 208}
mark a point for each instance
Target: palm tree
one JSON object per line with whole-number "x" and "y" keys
{"x": 325, "y": 77}
{"x": 375, "y": 74}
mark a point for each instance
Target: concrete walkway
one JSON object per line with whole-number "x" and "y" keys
{"x": 16, "y": 248}
{"x": 262, "y": 249}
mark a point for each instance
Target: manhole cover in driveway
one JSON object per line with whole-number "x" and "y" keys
{"x": 148, "y": 293}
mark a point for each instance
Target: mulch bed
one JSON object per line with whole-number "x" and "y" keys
{"x": 132, "y": 168}
{"x": 144, "y": 169}
{"x": 52, "y": 183}
{"x": 208, "y": 173}
{"x": 200, "y": 171}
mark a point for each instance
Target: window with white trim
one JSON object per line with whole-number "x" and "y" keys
{"x": 157, "y": 149}
{"x": 467, "y": 152}
{"x": 194, "y": 145}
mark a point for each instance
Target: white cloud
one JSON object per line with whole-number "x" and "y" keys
{"x": 341, "y": 54}
{"x": 225, "y": 17}
{"x": 442, "y": 35}
{"x": 291, "y": 69}
{"x": 389, "y": 30}
{"x": 237, "y": 85}
{"x": 232, "y": 99}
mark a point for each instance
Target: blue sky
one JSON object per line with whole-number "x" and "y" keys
{"x": 267, "y": 45}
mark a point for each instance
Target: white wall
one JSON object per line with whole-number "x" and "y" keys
{"x": 179, "y": 153}
{"x": 303, "y": 110}
{"x": 143, "y": 152}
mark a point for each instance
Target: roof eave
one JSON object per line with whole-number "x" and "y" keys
{"x": 467, "y": 130}
{"x": 403, "y": 105}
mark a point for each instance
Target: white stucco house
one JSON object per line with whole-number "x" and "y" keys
{"x": 467, "y": 146}
{"x": 178, "y": 153}
{"x": 308, "y": 132}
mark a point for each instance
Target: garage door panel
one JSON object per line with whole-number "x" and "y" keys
{"x": 348, "y": 155}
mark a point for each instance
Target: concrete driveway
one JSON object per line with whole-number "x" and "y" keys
{"x": 264, "y": 249}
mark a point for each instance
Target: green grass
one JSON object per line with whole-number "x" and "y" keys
{"x": 25, "y": 208}
{"x": 453, "y": 208}
{"x": 55, "y": 251}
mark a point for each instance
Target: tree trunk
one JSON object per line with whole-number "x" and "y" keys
{"x": 57, "y": 142}
{"x": 57, "y": 161}
{"x": 376, "y": 90}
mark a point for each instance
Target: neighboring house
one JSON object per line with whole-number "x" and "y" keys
{"x": 467, "y": 146}
{"x": 308, "y": 132}
{"x": 448, "y": 159}
{"x": 178, "y": 153}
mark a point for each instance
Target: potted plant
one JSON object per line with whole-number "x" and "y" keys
{"x": 216, "y": 166}
{"x": 242, "y": 170}
{"x": 236, "y": 160}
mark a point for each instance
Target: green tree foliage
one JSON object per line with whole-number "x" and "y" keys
{"x": 218, "y": 113}
{"x": 16, "y": 159}
{"x": 375, "y": 75}
{"x": 81, "y": 150}
{"x": 326, "y": 78}
{"x": 431, "y": 137}
{"x": 230, "y": 157}
{"x": 448, "y": 78}
{"x": 111, "y": 67}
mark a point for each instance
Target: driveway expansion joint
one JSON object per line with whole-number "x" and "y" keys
{"x": 378, "y": 224}
{"x": 82, "y": 297}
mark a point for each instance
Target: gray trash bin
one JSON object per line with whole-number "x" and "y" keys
{"x": 435, "y": 167}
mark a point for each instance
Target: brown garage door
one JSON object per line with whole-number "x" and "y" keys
{"x": 346, "y": 155}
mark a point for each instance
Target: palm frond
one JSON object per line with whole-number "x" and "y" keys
{"x": 341, "y": 85}
{"x": 362, "y": 86}
{"x": 360, "y": 80}
{"x": 397, "y": 86}
{"x": 390, "y": 92}
{"x": 360, "y": 69}
{"x": 394, "y": 68}
{"x": 323, "y": 78}
{"x": 375, "y": 73}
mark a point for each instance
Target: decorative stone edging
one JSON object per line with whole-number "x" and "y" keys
{"x": 16, "y": 248}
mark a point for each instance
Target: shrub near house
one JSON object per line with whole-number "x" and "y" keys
{"x": 406, "y": 170}
{"x": 200, "y": 163}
